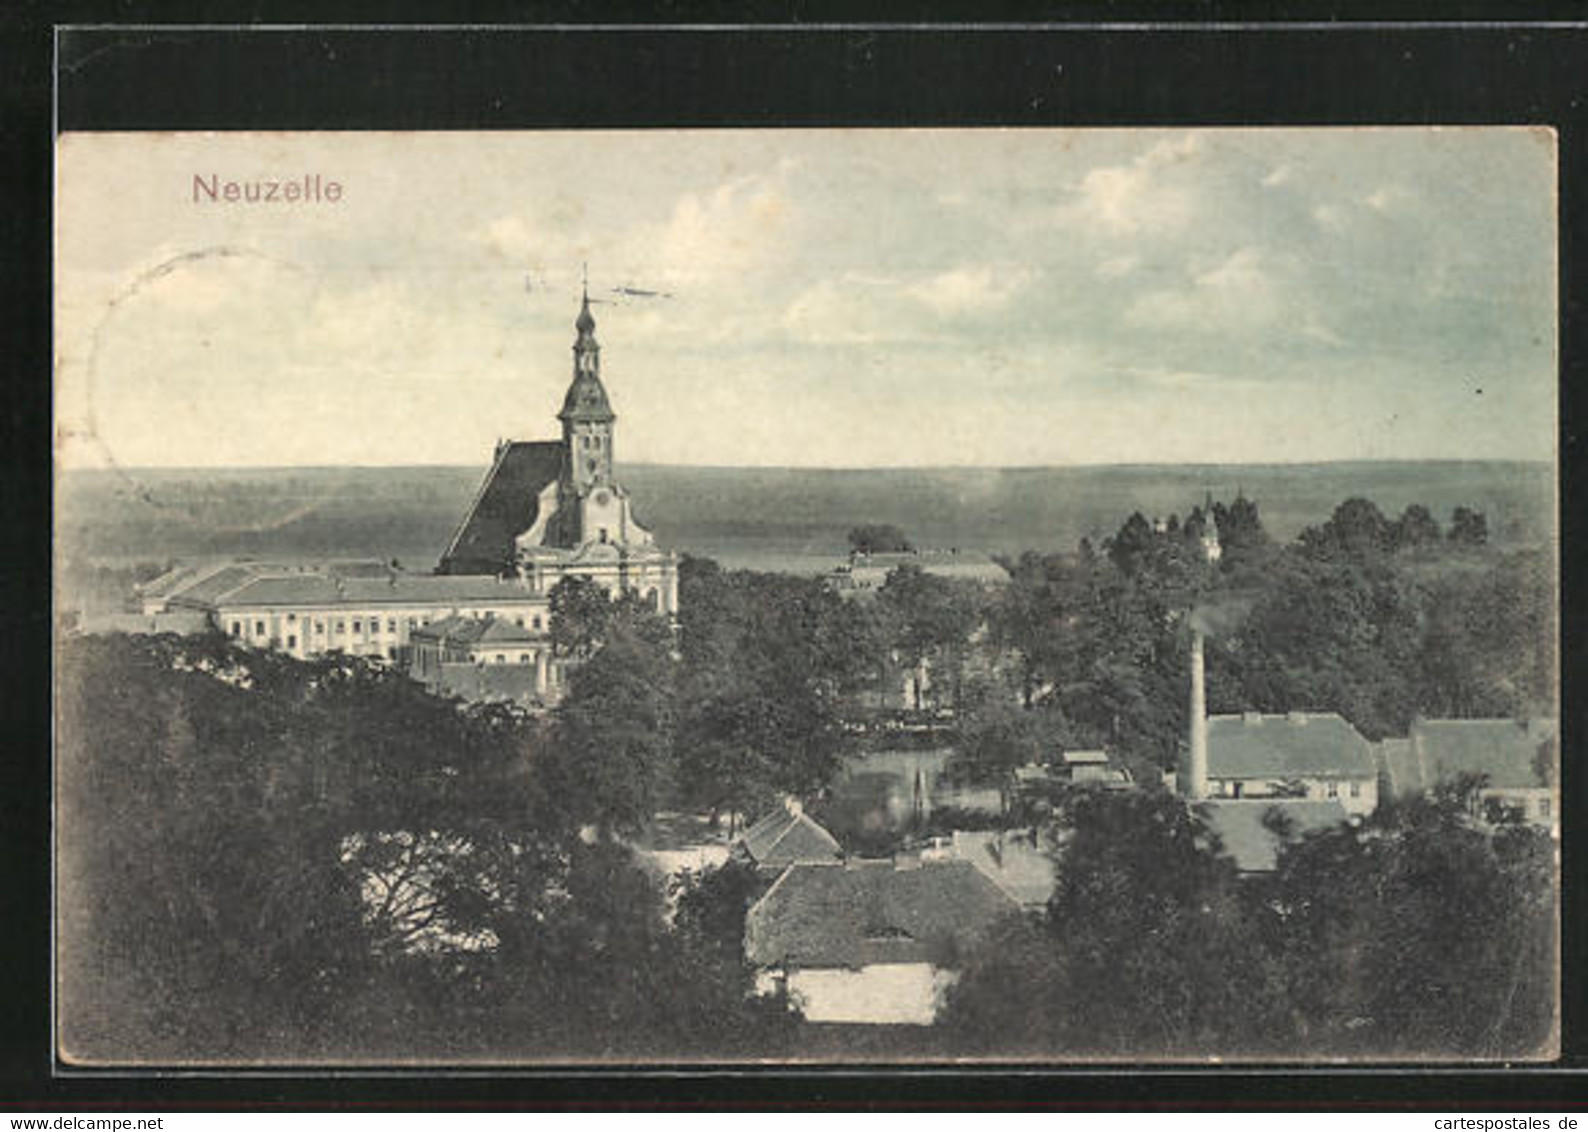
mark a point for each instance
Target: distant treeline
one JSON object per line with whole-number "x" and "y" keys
{"x": 773, "y": 518}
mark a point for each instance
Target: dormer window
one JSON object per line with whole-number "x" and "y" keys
{"x": 880, "y": 933}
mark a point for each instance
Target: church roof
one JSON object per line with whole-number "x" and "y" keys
{"x": 506, "y": 506}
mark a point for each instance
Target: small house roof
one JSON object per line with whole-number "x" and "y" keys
{"x": 1017, "y": 863}
{"x": 1075, "y": 758}
{"x": 1504, "y": 750}
{"x": 787, "y": 837}
{"x": 1239, "y": 823}
{"x": 872, "y": 912}
{"x": 1293, "y": 745}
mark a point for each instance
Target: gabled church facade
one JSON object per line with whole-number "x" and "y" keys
{"x": 553, "y": 509}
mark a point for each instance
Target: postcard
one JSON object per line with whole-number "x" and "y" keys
{"x": 814, "y": 596}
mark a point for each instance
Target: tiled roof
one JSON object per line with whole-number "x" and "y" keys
{"x": 1301, "y": 744}
{"x": 1502, "y": 749}
{"x": 1398, "y": 763}
{"x": 394, "y": 589}
{"x": 856, "y": 915}
{"x": 216, "y": 584}
{"x": 1253, "y": 847}
{"x": 506, "y": 506}
{"x": 1016, "y": 863}
{"x": 783, "y": 837}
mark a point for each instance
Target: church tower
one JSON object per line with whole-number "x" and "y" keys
{"x": 587, "y": 415}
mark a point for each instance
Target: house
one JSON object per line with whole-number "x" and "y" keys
{"x": 870, "y": 942}
{"x": 486, "y": 658}
{"x": 1297, "y": 754}
{"x": 787, "y": 836}
{"x": 1315, "y": 755}
{"x": 1515, "y": 759}
{"x": 1253, "y": 830}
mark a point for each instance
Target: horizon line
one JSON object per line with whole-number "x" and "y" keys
{"x": 1333, "y": 462}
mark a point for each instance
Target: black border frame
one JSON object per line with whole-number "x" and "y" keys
{"x": 720, "y": 65}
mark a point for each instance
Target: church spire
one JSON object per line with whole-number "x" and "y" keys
{"x": 587, "y": 398}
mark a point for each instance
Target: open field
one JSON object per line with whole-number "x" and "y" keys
{"x": 774, "y": 519}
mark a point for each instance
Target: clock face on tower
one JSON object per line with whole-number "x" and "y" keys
{"x": 601, "y": 498}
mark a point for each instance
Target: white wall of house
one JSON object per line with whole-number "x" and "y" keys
{"x": 880, "y": 994}
{"x": 1355, "y": 795}
{"x": 1536, "y": 804}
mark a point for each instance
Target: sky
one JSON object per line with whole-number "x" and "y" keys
{"x": 827, "y": 298}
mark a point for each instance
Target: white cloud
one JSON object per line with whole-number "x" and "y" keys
{"x": 1236, "y": 293}
{"x": 1140, "y": 196}
{"x": 1330, "y": 216}
{"x": 969, "y": 290}
{"x": 714, "y": 236}
{"x": 1280, "y": 175}
{"x": 512, "y": 238}
{"x": 1384, "y": 198}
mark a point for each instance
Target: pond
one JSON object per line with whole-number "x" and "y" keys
{"x": 884, "y": 792}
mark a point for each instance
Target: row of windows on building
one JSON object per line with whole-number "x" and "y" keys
{"x": 1331, "y": 789}
{"x": 339, "y": 625}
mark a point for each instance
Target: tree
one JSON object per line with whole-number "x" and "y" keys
{"x": 270, "y": 859}
{"x": 1149, "y": 947}
{"x": 580, "y": 613}
{"x": 1488, "y": 642}
{"x": 1356, "y": 531}
{"x": 1132, "y": 546}
{"x": 927, "y": 621}
{"x": 1377, "y": 964}
{"x": 1415, "y": 529}
{"x": 1468, "y": 527}
{"x": 222, "y": 811}
{"x": 768, "y": 665}
{"x": 995, "y": 736}
{"x": 878, "y": 538}
{"x": 1335, "y": 635}
{"x": 1241, "y": 534}
{"x": 613, "y": 733}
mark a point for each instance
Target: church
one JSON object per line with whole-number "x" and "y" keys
{"x": 547, "y": 510}
{"x": 552, "y": 509}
